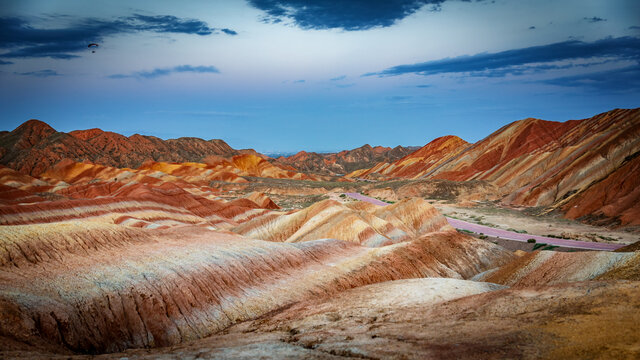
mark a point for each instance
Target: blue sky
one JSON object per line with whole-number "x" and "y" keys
{"x": 287, "y": 75}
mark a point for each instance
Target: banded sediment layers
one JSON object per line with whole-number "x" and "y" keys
{"x": 550, "y": 267}
{"x": 93, "y": 287}
{"x": 156, "y": 261}
{"x": 586, "y": 168}
{"x": 109, "y": 259}
{"x": 35, "y": 146}
{"x": 361, "y": 223}
{"x": 418, "y": 164}
{"x": 141, "y": 198}
{"x": 473, "y": 320}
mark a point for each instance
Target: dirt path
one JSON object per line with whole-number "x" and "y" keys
{"x": 505, "y": 234}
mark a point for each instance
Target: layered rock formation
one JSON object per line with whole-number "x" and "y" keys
{"x": 613, "y": 199}
{"x": 473, "y": 321}
{"x": 361, "y": 223}
{"x": 150, "y": 262}
{"x": 549, "y": 267}
{"x": 418, "y": 164}
{"x": 226, "y": 170}
{"x": 114, "y": 258}
{"x": 458, "y": 320}
{"x": 587, "y": 168}
{"x": 157, "y": 262}
{"x": 256, "y": 166}
{"x": 35, "y": 146}
{"x": 93, "y": 286}
{"x": 345, "y": 161}
{"x": 263, "y": 200}
{"x": 141, "y": 198}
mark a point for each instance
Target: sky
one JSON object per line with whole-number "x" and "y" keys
{"x": 323, "y": 75}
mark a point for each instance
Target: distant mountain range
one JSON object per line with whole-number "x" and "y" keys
{"x": 34, "y": 146}
{"x": 344, "y": 161}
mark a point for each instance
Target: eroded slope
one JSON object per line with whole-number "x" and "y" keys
{"x": 101, "y": 288}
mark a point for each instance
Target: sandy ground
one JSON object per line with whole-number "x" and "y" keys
{"x": 502, "y": 218}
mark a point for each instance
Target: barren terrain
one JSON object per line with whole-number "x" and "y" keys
{"x": 237, "y": 256}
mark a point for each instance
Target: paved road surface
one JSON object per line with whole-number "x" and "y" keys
{"x": 361, "y": 197}
{"x": 510, "y": 235}
{"x": 504, "y": 234}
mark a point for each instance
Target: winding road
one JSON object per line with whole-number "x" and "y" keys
{"x": 510, "y": 235}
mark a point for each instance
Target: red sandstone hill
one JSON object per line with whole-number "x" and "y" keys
{"x": 35, "y": 146}
{"x": 345, "y": 161}
{"x": 587, "y": 168}
{"x": 419, "y": 163}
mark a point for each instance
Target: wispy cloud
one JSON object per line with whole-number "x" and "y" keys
{"x": 594, "y": 19}
{"x": 399, "y": 98}
{"x": 21, "y": 39}
{"x": 338, "y": 78}
{"x": 617, "y": 80}
{"x": 40, "y": 73}
{"x": 167, "y": 71}
{"x": 229, "y": 31}
{"x": 2, "y": 62}
{"x": 351, "y": 15}
{"x": 298, "y": 81}
{"x": 504, "y": 62}
{"x": 535, "y": 69}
